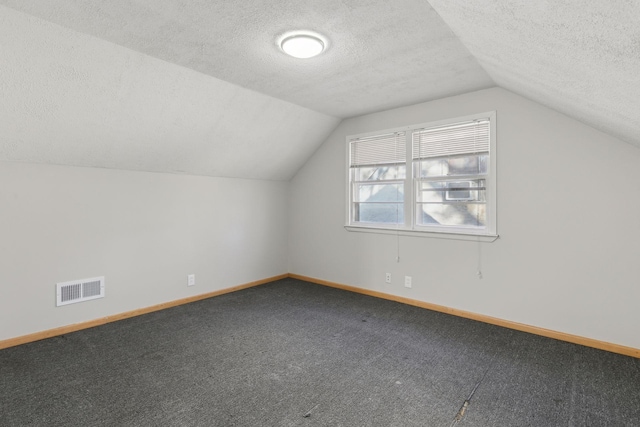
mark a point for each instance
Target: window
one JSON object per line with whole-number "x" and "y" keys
{"x": 378, "y": 172}
{"x": 435, "y": 177}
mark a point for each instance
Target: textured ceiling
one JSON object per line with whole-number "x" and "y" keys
{"x": 200, "y": 87}
{"x": 71, "y": 99}
{"x": 580, "y": 57}
{"x": 382, "y": 54}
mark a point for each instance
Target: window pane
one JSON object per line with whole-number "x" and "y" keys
{"x": 466, "y": 165}
{"x": 379, "y": 193}
{"x": 377, "y": 173}
{"x": 458, "y": 214}
{"x": 388, "y": 213}
{"x": 382, "y": 203}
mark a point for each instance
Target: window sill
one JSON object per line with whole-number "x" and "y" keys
{"x": 488, "y": 238}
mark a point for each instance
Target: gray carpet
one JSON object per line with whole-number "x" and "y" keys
{"x": 291, "y": 353}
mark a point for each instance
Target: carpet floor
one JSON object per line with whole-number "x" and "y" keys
{"x": 291, "y": 353}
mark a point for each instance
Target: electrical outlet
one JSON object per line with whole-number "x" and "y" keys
{"x": 387, "y": 278}
{"x": 407, "y": 281}
{"x": 191, "y": 280}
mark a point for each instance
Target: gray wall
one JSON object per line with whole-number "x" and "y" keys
{"x": 143, "y": 231}
{"x": 568, "y": 203}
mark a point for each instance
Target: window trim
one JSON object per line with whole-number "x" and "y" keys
{"x": 410, "y": 228}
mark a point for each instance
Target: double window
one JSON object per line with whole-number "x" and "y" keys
{"x": 434, "y": 177}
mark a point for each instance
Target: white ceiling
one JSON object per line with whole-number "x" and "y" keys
{"x": 201, "y": 87}
{"x": 580, "y": 57}
{"x": 382, "y": 54}
{"x": 71, "y": 99}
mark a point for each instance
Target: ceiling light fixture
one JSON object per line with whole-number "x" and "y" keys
{"x": 303, "y": 45}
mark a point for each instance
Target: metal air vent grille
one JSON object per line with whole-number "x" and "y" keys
{"x": 79, "y": 290}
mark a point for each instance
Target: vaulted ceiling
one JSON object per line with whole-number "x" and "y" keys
{"x": 201, "y": 87}
{"x": 579, "y": 57}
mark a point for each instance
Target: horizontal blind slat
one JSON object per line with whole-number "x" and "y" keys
{"x": 378, "y": 150}
{"x": 461, "y": 138}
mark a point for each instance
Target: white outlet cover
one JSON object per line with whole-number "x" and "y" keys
{"x": 191, "y": 279}
{"x": 407, "y": 281}
{"x": 387, "y": 278}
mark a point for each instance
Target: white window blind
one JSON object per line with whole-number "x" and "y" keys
{"x": 452, "y": 140}
{"x": 386, "y": 149}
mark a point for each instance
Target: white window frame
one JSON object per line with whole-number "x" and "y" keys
{"x": 410, "y": 228}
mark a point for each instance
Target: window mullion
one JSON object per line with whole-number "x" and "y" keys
{"x": 379, "y": 181}
{"x": 409, "y": 187}
{"x": 452, "y": 178}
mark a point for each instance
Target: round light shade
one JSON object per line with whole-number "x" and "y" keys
{"x": 302, "y": 46}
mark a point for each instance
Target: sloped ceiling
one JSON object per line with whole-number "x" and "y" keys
{"x": 201, "y": 87}
{"x": 72, "y": 99}
{"x": 580, "y": 57}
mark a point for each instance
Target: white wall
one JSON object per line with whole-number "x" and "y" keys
{"x": 568, "y": 204}
{"x": 143, "y": 231}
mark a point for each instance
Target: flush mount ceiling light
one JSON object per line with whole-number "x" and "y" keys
{"x": 303, "y": 45}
